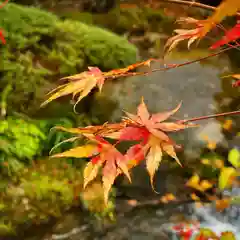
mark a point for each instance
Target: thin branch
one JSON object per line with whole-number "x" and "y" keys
{"x": 190, "y": 62}
{"x": 193, "y": 4}
{"x": 169, "y": 66}
{"x": 210, "y": 116}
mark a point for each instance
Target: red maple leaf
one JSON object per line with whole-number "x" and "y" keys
{"x": 151, "y": 131}
{"x": 232, "y": 35}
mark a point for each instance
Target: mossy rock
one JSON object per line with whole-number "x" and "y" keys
{"x": 41, "y": 48}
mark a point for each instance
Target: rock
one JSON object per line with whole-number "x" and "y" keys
{"x": 195, "y": 85}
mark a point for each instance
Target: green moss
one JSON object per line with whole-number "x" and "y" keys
{"x": 20, "y": 140}
{"x": 41, "y": 48}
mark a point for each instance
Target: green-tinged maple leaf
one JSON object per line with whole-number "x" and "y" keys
{"x": 234, "y": 157}
{"x": 227, "y": 236}
{"x": 226, "y": 177}
{"x": 205, "y": 233}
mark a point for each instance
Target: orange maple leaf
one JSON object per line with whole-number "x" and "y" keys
{"x": 185, "y": 34}
{"x": 152, "y": 131}
{"x": 226, "y": 8}
{"x": 102, "y": 154}
{"x": 79, "y": 84}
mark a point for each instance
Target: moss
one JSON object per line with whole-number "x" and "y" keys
{"x": 41, "y": 48}
{"x": 20, "y": 140}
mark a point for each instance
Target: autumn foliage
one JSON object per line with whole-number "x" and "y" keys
{"x": 149, "y": 131}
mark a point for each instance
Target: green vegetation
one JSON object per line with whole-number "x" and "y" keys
{"x": 41, "y": 48}
{"x": 124, "y": 20}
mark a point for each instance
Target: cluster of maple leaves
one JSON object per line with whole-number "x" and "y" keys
{"x": 150, "y": 131}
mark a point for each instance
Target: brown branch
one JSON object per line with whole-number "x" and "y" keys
{"x": 193, "y": 4}
{"x": 210, "y": 116}
{"x": 190, "y": 62}
{"x": 169, "y": 67}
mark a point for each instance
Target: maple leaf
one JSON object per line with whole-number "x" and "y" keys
{"x": 194, "y": 182}
{"x": 183, "y": 34}
{"x": 105, "y": 130}
{"x": 232, "y": 35}
{"x": 151, "y": 131}
{"x": 227, "y": 236}
{"x": 226, "y": 8}
{"x": 226, "y": 177}
{"x": 102, "y": 154}
{"x": 222, "y": 204}
{"x": 79, "y": 84}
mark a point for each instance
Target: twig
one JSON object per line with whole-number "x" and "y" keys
{"x": 191, "y": 62}
{"x": 210, "y": 116}
{"x": 193, "y": 4}
{"x": 169, "y": 67}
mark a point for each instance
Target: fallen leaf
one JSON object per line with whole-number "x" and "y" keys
{"x": 226, "y": 177}
{"x": 194, "y": 182}
{"x": 222, "y": 204}
{"x": 227, "y": 236}
{"x": 234, "y": 157}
